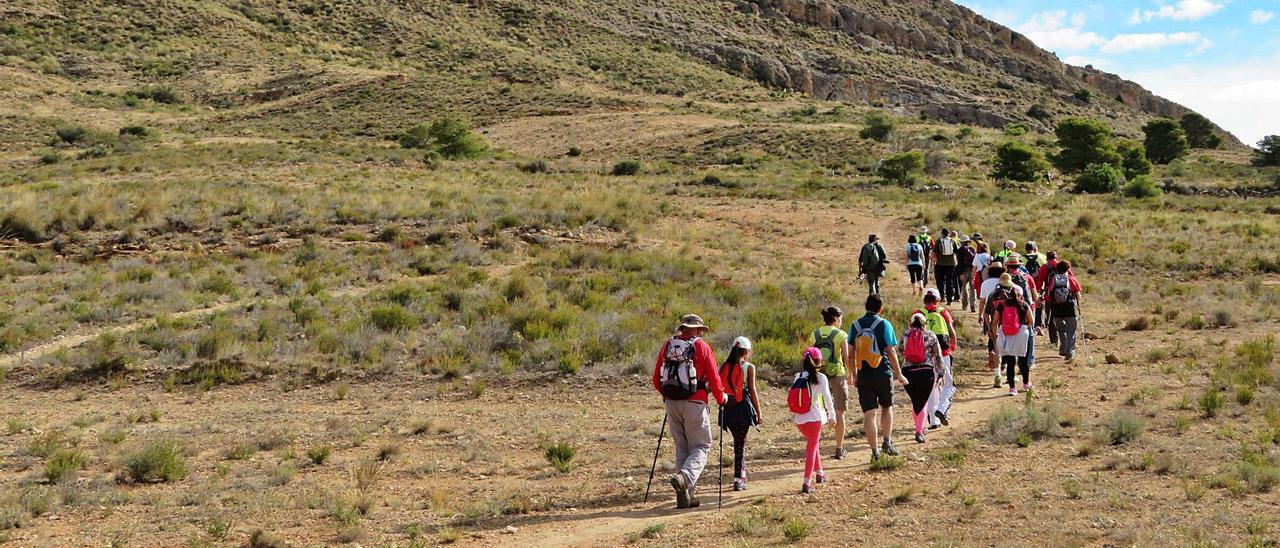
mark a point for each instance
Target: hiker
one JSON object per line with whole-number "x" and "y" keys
{"x": 939, "y": 321}
{"x": 915, "y": 264}
{"x": 981, "y": 260}
{"x": 685, "y": 370}
{"x": 742, "y": 411}
{"x": 833, "y": 342}
{"x": 1027, "y": 286}
{"x": 876, "y": 359}
{"x": 871, "y": 263}
{"x": 964, "y": 274}
{"x": 923, "y": 356}
{"x": 990, "y": 286}
{"x": 1063, "y": 294}
{"x": 1003, "y": 254}
{"x": 810, "y": 400}
{"x": 1044, "y": 315}
{"x": 945, "y": 261}
{"x": 1033, "y": 260}
{"x": 926, "y": 241}
{"x": 1011, "y": 326}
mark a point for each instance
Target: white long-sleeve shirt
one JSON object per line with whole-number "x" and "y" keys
{"x": 822, "y": 407}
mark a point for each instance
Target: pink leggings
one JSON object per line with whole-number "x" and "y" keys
{"x": 812, "y": 462}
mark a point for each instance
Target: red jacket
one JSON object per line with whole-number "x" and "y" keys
{"x": 704, "y": 359}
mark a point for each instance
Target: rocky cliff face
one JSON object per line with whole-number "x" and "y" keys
{"x": 927, "y": 57}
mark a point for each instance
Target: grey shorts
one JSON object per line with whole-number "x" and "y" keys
{"x": 839, "y": 393}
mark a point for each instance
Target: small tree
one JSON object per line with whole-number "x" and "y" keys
{"x": 1084, "y": 95}
{"x": 879, "y": 126}
{"x": 1083, "y": 142}
{"x": 450, "y": 137}
{"x": 1099, "y": 179}
{"x": 903, "y": 168}
{"x": 1018, "y": 161}
{"x": 1200, "y": 131}
{"x": 1268, "y": 152}
{"x": 1141, "y": 187}
{"x": 1134, "y": 158}
{"x": 1165, "y": 140}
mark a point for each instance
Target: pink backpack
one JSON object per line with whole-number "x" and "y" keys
{"x": 1011, "y": 319}
{"x": 914, "y": 350}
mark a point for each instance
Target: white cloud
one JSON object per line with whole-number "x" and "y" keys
{"x": 1244, "y": 98}
{"x": 1184, "y": 10}
{"x": 1053, "y": 31}
{"x": 1135, "y": 17}
{"x": 1125, "y": 43}
{"x": 1259, "y": 17}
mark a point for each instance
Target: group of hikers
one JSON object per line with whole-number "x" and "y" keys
{"x": 1016, "y": 295}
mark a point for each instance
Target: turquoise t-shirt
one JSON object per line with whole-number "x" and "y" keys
{"x": 885, "y": 337}
{"x": 919, "y": 253}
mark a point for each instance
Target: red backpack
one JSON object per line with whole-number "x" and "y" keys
{"x": 1011, "y": 318}
{"x": 914, "y": 351}
{"x": 800, "y": 397}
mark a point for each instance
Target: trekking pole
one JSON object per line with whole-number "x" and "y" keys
{"x": 654, "y": 467}
{"x": 720, "y": 494}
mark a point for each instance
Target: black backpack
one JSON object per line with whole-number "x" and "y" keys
{"x": 914, "y": 253}
{"x": 869, "y": 258}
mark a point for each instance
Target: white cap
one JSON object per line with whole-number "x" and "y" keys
{"x": 1010, "y": 244}
{"x": 742, "y": 342}
{"x": 932, "y": 291}
{"x": 924, "y": 230}
{"x": 912, "y": 321}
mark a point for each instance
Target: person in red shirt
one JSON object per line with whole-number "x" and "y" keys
{"x": 1044, "y": 313}
{"x": 684, "y": 372}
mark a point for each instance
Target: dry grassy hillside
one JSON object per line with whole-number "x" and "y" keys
{"x": 239, "y": 306}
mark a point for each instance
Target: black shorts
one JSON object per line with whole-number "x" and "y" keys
{"x": 875, "y": 391}
{"x": 916, "y": 271}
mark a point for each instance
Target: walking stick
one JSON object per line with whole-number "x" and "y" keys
{"x": 720, "y": 494}
{"x": 654, "y": 467}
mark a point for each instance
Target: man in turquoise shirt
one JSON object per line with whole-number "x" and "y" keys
{"x": 875, "y": 382}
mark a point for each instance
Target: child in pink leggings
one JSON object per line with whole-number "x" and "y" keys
{"x": 811, "y": 418}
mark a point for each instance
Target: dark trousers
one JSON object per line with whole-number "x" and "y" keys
{"x": 1009, "y": 363}
{"x": 948, "y": 283}
{"x": 739, "y": 432}
{"x": 920, "y": 380}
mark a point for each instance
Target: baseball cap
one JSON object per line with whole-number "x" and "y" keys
{"x": 742, "y": 342}
{"x": 933, "y": 292}
{"x": 813, "y": 354}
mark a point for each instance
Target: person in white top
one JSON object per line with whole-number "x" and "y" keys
{"x": 811, "y": 421}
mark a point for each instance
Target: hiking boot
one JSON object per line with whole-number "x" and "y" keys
{"x": 694, "y": 502}
{"x": 888, "y": 448}
{"x": 942, "y": 417}
{"x": 806, "y": 488}
{"x": 738, "y": 484}
{"x": 681, "y": 485}
{"x": 934, "y": 426}
{"x": 919, "y": 437}
{"x": 840, "y": 452}
{"x": 875, "y": 455}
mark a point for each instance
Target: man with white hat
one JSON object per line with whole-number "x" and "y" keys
{"x": 925, "y": 241}
{"x": 685, "y": 370}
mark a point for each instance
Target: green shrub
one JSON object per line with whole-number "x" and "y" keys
{"x": 1268, "y": 152}
{"x": 536, "y": 166}
{"x": 574, "y": 152}
{"x": 796, "y": 529}
{"x": 1083, "y": 142}
{"x": 1099, "y": 179}
{"x": 560, "y": 455}
{"x": 1211, "y": 401}
{"x": 1083, "y": 94}
{"x": 392, "y": 317}
{"x": 71, "y": 134}
{"x": 1122, "y": 427}
{"x": 1165, "y": 140}
{"x": 886, "y": 463}
{"x": 1016, "y": 129}
{"x": 49, "y": 158}
{"x": 625, "y": 168}
{"x": 879, "y": 126}
{"x": 158, "y": 461}
{"x": 903, "y": 168}
{"x": 1200, "y": 131}
{"x": 63, "y": 465}
{"x": 136, "y": 131}
{"x": 319, "y": 455}
{"x": 1141, "y": 187}
{"x": 160, "y": 94}
{"x": 1029, "y": 421}
{"x": 1134, "y": 160}
{"x": 1018, "y": 161}
{"x": 449, "y": 137}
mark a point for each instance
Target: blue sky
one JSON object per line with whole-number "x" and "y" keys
{"x": 1218, "y": 57}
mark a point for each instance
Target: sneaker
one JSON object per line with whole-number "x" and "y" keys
{"x": 888, "y": 448}
{"x": 681, "y": 486}
{"x": 998, "y": 384}
{"x": 821, "y": 478}
{"x": 934, "y": 426}
{"x": 919, "y": 437}
{"x": 875, "y": 455}
{"x": 1026, "y": 387}
{"x": 1013, "y": 391}
{"x": 739, "y": 484}
{"x": 942, "y": 417}
{"x": 694, "y": 502}
{"x": 806, "y": 488}
{"x": 840, "y": 452}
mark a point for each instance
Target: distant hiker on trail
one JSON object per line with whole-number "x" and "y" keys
{"x": 924, "y": 239}
{"x": 945, "y": 262}
{"x": 685, "y": 369}
{"x": 1047, "y": 270}
{"x": 1063, "y": 294}
{"x": 1035, "y": 261}
{"x": 981, "y": 260}
{"x": 939, "y": 321}
{"x": 1027, "y": 286}
{"x": 915, "y": 264}
{"x": 876, "y": 359}
{"x": 871, "y": 263}
{"x": 809, "y": 399}
{"x": 1011, "y": 326}
{"x": 923, "y": 357}
{"x": 968, "y": 293}
{"x": 990, "y": 285}
{"x": 1003, "y": 254}
{"x": 742, "y": 411}
{"x": 834, "y": 345}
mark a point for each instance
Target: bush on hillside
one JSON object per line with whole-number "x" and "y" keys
{"x": 1141, "y": 187}
{"x": 156, "y": 462}
{"x": 1018, "y": 161}
{"x": 1016, "y": 129}
{"x": 1084, "y": 95}
{"x": 879, "y": 126}
{"x": 1040, "y": 111}
{"x": 1134, "y": 158}
{"x": 1083, "y": 142}
{"x": 136, "y": 131}
{"x": 1268, "y": 152}
{"x": 71, "y": 134}
{"x": 625, "y": 168}
{"x": 1200, "y": 131}
{"x": 1165, "y": 140}
{"x": 1099, "y": 179}
{"x": 159, "y": 94}
{"x": 449, "y": 137}
{"x": 903, "y": 168}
